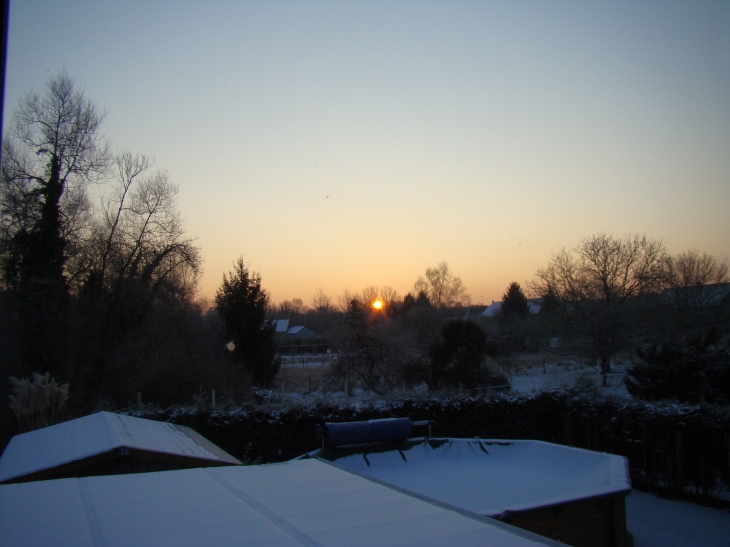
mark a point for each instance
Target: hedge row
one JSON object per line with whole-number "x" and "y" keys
{"x": 672, "y": 449}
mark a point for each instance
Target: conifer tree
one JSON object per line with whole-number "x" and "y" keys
{"x": 241, "y": 303}
{"x": 514, "y": 303}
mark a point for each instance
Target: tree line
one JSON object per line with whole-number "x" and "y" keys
{"x": 98, "y": 276}
{"x": 98, "y": 290}
{"x": 607, "y": 297}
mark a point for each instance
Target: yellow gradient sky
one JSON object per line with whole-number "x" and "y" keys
{"x": 347, "y": 144}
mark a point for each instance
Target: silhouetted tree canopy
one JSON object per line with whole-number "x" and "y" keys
{"x": 458, "y": 358}
{"x": 442, "y": 287}
{"x": 241, "y": 304}
{"x": 514, "y": 303}
{"x": 53, "y": 150}
{"x": 598, "y": 284}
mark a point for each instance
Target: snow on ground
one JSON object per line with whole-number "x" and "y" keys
{"x": 654, "y": 521}
{"x": 566, "y": 375}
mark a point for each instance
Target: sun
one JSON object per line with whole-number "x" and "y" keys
{"x": 377, "y": 304}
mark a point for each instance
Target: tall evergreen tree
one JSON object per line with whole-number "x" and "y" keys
{"x": 514, "y": 303}
{"x": 241, "y": 303}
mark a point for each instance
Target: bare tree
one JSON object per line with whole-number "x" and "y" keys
{"x": 321, "y": 302}
{"x": 345, "y": 300}
{"x": 141, "y": 236}
{"x": 597, "y": 284}
{"x": 298, "y": 306}
{"x": 390, "y": 298}
{"x": 694, "y": 281}
{"x": 54, "y": 149}
{"x": 692, "y": 269}
{"x": 444, "y": 289}
{"x": 369, "y": 295}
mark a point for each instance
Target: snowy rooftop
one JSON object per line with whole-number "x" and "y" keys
{"x": 282, "y": 325}
{"x": 98, "y": 433}
{"x": 534, "y": 305}
{"x": 489, "y": 477}
{"x": 306, "y": 502}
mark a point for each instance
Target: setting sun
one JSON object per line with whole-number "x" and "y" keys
{"x": 377, "y": 304}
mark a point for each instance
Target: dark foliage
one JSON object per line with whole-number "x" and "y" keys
{"x": 458, "y": 359}
{"x": 241, "y": 304}
{"x": 54, "y": 142}
{"x": 514, "y": 303}
{"x": 366, "y": 358}
{"x": 689, "y": 372}
{"x": 421, "y": 300}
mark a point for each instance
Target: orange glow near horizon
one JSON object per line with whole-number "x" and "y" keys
{"x": 377, "y": 304}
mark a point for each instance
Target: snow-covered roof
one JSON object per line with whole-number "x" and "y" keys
{"x": 493, "y": 309}
{"x": 489, "y": 477}
{"x": 306, "y": 502}
{"x": 98, "y": 433}
{"x": 302, "y": 332}
{"x": 705, "y": 295}
{"x": 534, "y": 305}
{"x": 282, "y": 325}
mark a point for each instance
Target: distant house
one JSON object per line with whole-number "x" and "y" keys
{"x": 493, "y": 309}
{"x": 282, "y": 325}
{"x": 298, "y": 333}
{"x": 534, "y": 305}
{"x": 707, "y": 296}
{"x": 106, "y": 444}
{"x": 472, "y": 312}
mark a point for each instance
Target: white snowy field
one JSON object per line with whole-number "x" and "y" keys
{"x": 567, "y": 375}
{"x": 654, "y": 521}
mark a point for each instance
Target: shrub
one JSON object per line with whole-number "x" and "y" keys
{"x": 37, "y": 403}
{"x": 689, "y": 372}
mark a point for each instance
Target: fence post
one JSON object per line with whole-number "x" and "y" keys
{"x": 643, "y": 444}
{"x": 566, "y": 424}
{"x": 678, "y": 440}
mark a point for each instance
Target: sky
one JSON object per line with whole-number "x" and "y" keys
{"x": 339, "y": 145}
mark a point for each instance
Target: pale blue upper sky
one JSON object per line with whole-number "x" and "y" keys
{"x": 346, "y": 144}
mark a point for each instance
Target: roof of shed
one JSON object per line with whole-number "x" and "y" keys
{"x": 305, "y": 502}
{"x": 91, "y": 435}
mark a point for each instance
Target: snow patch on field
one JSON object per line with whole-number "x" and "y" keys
{"x": 567, "y": 375}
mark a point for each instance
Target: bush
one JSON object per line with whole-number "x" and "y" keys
{"x": 689, "y": 372}
{"x": 458, "y": 359}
